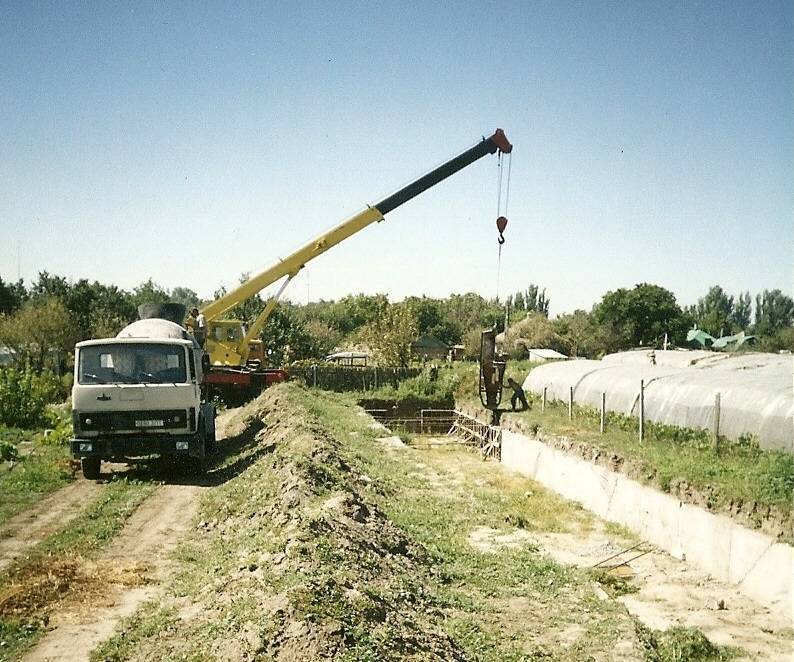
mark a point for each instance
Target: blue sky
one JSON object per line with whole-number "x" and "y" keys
{"x": 189, "y": 143}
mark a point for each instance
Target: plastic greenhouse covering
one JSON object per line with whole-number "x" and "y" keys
{"x": 756, "y": 391}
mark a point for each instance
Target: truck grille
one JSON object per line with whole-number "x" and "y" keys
{"x": 112, "y": 421}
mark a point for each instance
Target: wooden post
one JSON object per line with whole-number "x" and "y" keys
{"x": 421, "y": 421}
{"x": 642, "y": 410}
{"x": 376, "y": 377}
{"x": 543, "y": 402}
{"x": 716, "y": 431}
{"x": 570, "y": 403}
{"x": 602, "y": 427}
{"x": 314, "y": 374}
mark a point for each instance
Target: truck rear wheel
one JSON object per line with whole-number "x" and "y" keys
{"x": 90, "y": 467}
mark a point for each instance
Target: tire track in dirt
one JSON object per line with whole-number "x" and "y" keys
{"x": 141, "y": 549}
{"x": 48, "y": 516}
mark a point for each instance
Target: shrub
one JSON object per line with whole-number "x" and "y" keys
{"x": 421, "y": 391}
{"x": 24, "y": 396}
{"x": 8, "y": 451}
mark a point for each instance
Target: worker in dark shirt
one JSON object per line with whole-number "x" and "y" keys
{"x": 518, "y": 395}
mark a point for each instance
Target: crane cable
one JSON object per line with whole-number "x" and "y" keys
{"x": 501, "y": 221}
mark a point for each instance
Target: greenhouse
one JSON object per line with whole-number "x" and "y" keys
{"x": 755, "y": 390}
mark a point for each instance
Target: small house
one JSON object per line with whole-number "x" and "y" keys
{"x": 539, "y": 355}
{"x": 429, "y": 347}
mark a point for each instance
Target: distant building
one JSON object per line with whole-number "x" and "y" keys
{"x": 697, "y": 339}
{"x": 457, "y": 352}
{"x": 348, "y": 358}
{"x": 6, "y": 355}
{"x": 733, "y": 342}
{"x": 542, "y": 355}
{"x": 429, "y": 347}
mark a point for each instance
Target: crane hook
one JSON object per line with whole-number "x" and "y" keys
{"x": 501, "y": 224}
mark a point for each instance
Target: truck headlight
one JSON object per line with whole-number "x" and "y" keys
{"x": 86, "y": 448}
{"x": 182, "y": 445}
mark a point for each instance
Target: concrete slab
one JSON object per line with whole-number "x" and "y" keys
{"x": 761, "y": 567}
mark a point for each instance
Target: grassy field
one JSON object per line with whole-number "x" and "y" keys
{"x": 331, "y": 543}
{"x": 35, "y": 466}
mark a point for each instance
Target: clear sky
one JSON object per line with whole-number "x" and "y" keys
{"x": 190, "y": 142}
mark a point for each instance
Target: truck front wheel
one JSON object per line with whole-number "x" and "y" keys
{"x": 90, "y": 467}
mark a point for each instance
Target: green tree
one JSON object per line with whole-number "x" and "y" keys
{"x": 534, "y": 331}
{"x": 536, "y": 300}
{"x": 285, "y": 337}
{"x": 773, "y": 311}
{"x": 323, "y": 338}
{"x": 97, "y": 310}
{"x": 742, "y": 312}
{"x": 50, "y": 286}
{"x": 187, "y": 297}
{"x": 353, "y": 312}
{"x": 149, "y": 292}
{"x": 533, "y": 300}
{"x": 641, "y": 316}
{"x": 714, "y": 312}
{"x": 42, "y": 333}
{"x": 780, "y": 341}
{"x": 12, "y": 296}
{"x": 22, "y": 398}
{"x": 471, "y": 311}
{"x": 582, "y": 334}
{"x": 390, "y": 334}
{"x": 431, "y": 319}
{"x": 519, "y": 304}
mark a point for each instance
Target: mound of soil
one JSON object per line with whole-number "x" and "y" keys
{"x": 322, "y": 566}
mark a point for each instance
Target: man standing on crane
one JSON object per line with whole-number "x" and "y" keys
{"x": 197, "y": 325}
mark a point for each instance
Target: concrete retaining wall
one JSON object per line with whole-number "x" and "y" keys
{"x": 761, "y": 567}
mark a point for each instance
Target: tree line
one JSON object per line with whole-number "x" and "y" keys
{"x": 42, "y": 321}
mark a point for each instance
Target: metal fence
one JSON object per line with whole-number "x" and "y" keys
{"x": 353, "y": 378}
{"x": 638, "y": 406}
{"x": 429, "y": 421}
{"x": 487, "y": 439}
{"x": 474, "y": 432}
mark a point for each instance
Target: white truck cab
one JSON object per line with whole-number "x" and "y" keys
{"x": 139, "y": 394}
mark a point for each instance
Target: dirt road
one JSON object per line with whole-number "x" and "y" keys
{"x": 141, "y": 551}
{"x": 46, "y": 517}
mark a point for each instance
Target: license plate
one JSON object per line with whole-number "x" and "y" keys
{"x": 149, "y": 423}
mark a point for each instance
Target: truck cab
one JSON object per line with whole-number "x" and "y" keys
{"x": 139, "y": 394}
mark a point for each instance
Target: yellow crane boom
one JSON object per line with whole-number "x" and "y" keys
{"x": 228, "y": 346}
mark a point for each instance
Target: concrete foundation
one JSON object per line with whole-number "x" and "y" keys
{"x": 760, "y": 567}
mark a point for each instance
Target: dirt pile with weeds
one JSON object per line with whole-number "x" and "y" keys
{"x": 293, "y": 561}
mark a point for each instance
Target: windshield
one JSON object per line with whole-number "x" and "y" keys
{"x": 143, "y": 363}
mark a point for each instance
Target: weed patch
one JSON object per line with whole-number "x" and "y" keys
{"x": 57, "y": 568}
{"x": 32, "y": 470}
